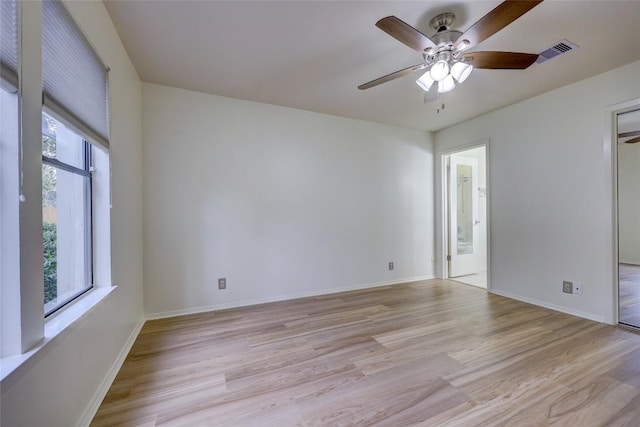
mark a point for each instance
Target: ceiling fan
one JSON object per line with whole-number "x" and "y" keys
{"x": 635, "y": 133}
{"x": 443, "y": 53}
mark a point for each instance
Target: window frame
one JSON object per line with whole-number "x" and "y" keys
{"x": 87, "y": 173}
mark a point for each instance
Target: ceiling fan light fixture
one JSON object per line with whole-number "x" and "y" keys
{"x": 425, "y": 81}
{"x": 439, "y": 70}
{"x": 446, "y": 84}
{"x": 461, "y": 70}
{"x": 443, "y": 52}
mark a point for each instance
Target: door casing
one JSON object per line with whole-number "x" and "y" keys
{"x": 610, "y": 145}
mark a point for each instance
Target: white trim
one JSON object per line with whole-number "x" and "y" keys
{"x": 461, "y": 149}
{"x": 255, "y": 301}
{"x": 95, "y": 402}
{"x": 562, "y": 309}
{"x": 55, "y": 327}
{"x": 442, "y": 244}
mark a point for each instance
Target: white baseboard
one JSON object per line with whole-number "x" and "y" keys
{"x": 255, "y": 301}
{"x": 101, "y": 392}
{"x": 562, "y": 309}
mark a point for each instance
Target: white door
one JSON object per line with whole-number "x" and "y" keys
{"x": 464, "y": 244}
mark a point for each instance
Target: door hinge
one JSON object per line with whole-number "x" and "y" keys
{"x": 448, "y": 257}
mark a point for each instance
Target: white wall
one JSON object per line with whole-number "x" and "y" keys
{"x": 550, "y": 192}
{"x": 281, "y": 202}
{"x": 629, "y": 203}
{"x": 57, "y": 385}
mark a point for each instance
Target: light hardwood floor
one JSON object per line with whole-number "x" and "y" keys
{"x": 478, "y": 279}
{"x": 431, "y": 353}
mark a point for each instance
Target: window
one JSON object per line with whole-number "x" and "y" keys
{"x": 66, "y": 214}
{"x": 74, "y": 123}
{"x": 66, "y": 107}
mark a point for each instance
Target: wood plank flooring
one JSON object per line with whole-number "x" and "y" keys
{"x": 430, "y": 353}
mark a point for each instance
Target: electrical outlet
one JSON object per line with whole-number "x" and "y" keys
{"x": 222, "y": 283}
{"x": 567, "y": 287}
{"x": 577, "y": 288}
{"x": 390, "y": 265}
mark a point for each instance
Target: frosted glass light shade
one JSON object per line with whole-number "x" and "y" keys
{"x": 446, "y": 85}
{"x": 439, "y": 70}
{"x": 460, "y": 71}
{"x": 425, "y": 81}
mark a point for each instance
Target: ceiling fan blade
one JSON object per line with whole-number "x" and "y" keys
{"x": 633, "y": 140}
{"x": 501, "y": 60}
{"x": 405, "y": 33}
{"x": 496, "y": 20}
{"x": 392, "y": 76}
{"x": 628, "y": 134}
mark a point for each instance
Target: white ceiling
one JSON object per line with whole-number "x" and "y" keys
{"x": 312, "y": 55}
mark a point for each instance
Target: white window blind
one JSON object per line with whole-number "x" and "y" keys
{"x": 74, "y": 79}
{"x": 9, "y": 45}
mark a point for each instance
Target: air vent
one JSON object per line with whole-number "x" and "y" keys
{"x": 563, "y": 46}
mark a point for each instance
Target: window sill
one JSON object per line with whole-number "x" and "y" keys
{"x": 55, "y": 327}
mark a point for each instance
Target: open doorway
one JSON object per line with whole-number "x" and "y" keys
{"x": 628, "y": 218}
{"x": 465, "y": 184}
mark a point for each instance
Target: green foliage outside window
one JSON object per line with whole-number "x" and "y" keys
{"x": 50, "y": 262}
{"x": 49, "y": 236}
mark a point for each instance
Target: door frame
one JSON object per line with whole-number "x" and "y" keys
{"x": 442, "y": 240}
{"x": 610, "y": 145}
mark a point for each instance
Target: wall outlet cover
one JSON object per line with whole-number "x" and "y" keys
{"x": 222, "y": 283}
{"x": 577, "y": 288}
{"x": 567, "y": 287}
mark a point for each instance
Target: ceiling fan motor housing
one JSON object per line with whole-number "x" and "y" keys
{"x": 445, "y": 37}
{"x": 442, "y": 22}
